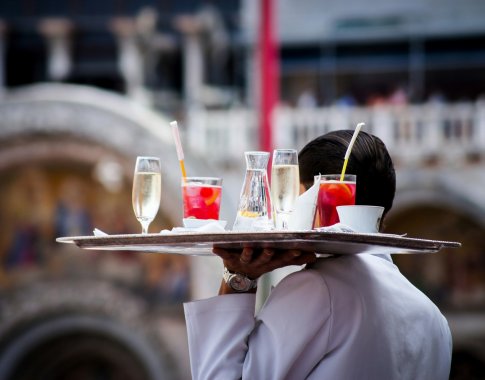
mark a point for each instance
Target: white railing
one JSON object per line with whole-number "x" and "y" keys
{"x": 413, "y": 134}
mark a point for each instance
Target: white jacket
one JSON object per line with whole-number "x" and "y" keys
{"x": 348, "y": 317}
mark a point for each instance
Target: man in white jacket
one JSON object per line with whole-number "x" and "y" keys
{"x": 342, "y": 317}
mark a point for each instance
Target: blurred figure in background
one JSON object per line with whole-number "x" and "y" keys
{"x": 72, "y": 215}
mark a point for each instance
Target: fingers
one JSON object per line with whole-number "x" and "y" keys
{"x": 223, "y": 253}
{"x": 271, "y": 259}
{"x": 265, "y": 256}
{"x": 292, "y": 257}
{"x": 304, "y": 258}
{"x": 246, "y": 255}
{"x": 235, "y": 259}
{"x": 255, "y": 263}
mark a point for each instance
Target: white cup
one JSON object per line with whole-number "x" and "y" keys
{"x": 360, "y": 218}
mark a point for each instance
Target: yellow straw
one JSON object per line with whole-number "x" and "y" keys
{"x": 182, "y": 169}
{"x": 178, "y": 146}
{"x": 349, "y": 149}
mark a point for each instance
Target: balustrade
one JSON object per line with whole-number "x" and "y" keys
{"x": 414, "y": 134}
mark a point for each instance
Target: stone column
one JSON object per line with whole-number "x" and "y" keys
{"x": 130, "y": 58}
{"x": 193, "y": 59}
{"x": 154, "y": 45}
{"x": 57, "y": 33}
{"x": 479, "y": 131}
{"x": 3, "y": 29}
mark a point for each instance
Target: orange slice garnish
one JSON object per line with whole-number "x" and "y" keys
{"x": 208, "y": 200}
{"x": 335, "y": 188}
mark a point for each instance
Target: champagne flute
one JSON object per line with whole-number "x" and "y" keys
{"x": 147, "y": 187}
{"x": 285, "y": 185}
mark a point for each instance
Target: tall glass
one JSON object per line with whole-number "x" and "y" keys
{"x": 333, "y": 193}
{"x": 285, "y": 185}
{"x": 201, "y": 197}
{"x": 147, "y": 188}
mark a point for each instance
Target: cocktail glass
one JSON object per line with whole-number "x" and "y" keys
{"x": 201, "y": 197}
{"x": 332, "y": 193}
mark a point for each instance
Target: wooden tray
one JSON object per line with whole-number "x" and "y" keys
{"x": 201, "y": 244}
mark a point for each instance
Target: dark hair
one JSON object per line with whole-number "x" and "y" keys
{"x": 369, "y": 161}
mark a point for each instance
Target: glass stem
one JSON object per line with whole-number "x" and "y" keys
{"x": 144, "y": 226}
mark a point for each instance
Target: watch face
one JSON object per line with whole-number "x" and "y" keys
{"x": 240, "y": 283}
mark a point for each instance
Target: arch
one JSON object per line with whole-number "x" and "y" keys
{"x": 455, "y": 189}
{"x": 109, "y": 320}
{"x": 453, "y": 279}
{"x": 86, "y": 124}
{"x": 66, "y": 123}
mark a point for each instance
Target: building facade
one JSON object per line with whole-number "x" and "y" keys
{"x": 87, "y": 86}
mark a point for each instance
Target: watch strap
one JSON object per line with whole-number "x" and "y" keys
{"x": 238, "y": 281}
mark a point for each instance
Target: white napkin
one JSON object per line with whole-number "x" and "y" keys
{"x": 98, "y": 232}
{"x": 337, "y": 227}
{"x": 341, "y": 227}
{"x": 212, "y": 226}
{"x": 301, "y": 219}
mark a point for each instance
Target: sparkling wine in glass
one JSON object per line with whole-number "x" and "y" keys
{"x": 285, "y": 185}
{"x": 147, "y": 187}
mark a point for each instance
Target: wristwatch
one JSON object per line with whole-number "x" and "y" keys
{"x": 239, "y": 282}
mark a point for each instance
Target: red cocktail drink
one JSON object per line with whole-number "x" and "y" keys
{"x": 201, "y": 197}
{"x": 333, "y": 193}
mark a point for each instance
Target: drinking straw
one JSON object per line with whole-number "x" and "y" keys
{"x": 349, "y": 149}
{"x": 178, "y": 146}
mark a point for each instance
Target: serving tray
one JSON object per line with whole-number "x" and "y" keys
{"x": 201, "y": 244}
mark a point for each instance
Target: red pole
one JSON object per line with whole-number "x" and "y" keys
{"x": 269, "y": 73}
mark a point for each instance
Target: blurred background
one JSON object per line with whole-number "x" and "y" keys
{"x": 86, "y": 86}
